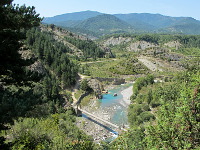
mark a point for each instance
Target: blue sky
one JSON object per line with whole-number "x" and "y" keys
{"x": 177, "y": 8}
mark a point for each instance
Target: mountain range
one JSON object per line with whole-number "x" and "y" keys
{"x": 101, "y": 24}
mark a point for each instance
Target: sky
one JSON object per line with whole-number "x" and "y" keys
{"x": 174, "y": 8}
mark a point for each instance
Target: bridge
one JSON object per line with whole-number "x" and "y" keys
{"x": 79, "y": 111}
{"x": 98, "y": 118}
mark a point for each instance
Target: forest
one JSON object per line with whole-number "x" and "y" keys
{"x": 32, "y": 110}
{"x": 89, "y": 48}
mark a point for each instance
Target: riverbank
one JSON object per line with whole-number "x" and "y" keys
{"x": 107, "y": 108}
{"x": 126, "y": 93}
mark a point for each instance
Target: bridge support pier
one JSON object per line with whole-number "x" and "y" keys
{"x": 78, "y": 112}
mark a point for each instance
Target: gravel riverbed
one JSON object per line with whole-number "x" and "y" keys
{"x": 97, "y": 129}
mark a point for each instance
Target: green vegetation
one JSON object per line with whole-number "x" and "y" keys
{"x": 105, "y": 24}
{"x": 177, "y": 116}
{"x": 113, "y": 68}
{"x": 89, "y": 48}
{"x": 53, "y": 54}
{"x": 87, "y": 99}
{"x": 13, "y": 67}
{"x": 32, "y": 115}
{"x": 84, "y": 85}
{"x": 78, "y": 93}
{"x": 189, "y": 51}
{"x": 141, "y": 82}
{"x": 129, "y": 66}
{"x": 139, "y": 111}
{"x": 58, "y": 131}
{"x": 97, "y": 24}
{"x": 151, "y": 38}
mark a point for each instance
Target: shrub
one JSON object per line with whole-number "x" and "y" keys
{"x": 146, "y": 107}
{"x": 146, "y": 116}
{"x": 154, "y": 104}
{"x": 84, "y": 85}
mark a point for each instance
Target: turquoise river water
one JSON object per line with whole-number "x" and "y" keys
{"x": 115, "y": 105}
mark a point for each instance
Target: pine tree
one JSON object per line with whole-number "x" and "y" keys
{"x": 13, "y": 19}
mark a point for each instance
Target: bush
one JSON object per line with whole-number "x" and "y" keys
{"x": 149, "y": 96}
{"x": 84, "y": 85}
{"x": 154, "y": 104}
{"x": 141, "y": 82}
{"x": 146, "y": 107}
{"x": 146, "y": 116}
{"x": 140, "y": 98}
{"x": 136, "y": 108}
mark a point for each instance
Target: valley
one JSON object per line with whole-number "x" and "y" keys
{"x": 96, "y": 81}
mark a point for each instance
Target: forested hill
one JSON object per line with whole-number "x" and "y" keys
{"x": 77, "y": 16}
{"x": 59, "y": 50}
{"x": 37, "y": 65}
{"x": 78, "y": 46}
{"x": 104, "y": 24}
{"x": 137, "y": 22}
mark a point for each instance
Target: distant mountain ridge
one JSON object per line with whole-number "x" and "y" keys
{"x": 156, "y": 20}
{"x": 76, "y": 16}
{"x": 101, "y": 23}
{"x": 105, "y": 24}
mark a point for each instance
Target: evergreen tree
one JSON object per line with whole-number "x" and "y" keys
{"x": 13, "y": 19}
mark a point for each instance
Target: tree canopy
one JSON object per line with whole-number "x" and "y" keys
{"x": 14, "y": 18}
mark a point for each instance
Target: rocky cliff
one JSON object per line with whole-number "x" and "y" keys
{"x": 140, "y": 45}
{"x": 116, "y": 41}
{"x": 96, "y": 86}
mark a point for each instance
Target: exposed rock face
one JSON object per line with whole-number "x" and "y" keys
{"x": 60, "y": 34}
{"x": 140, "y": 45}
{"x": 174, "y": 57}
{"x": 38, "y": 67}
{"x": 96, "y": 86}
{"x": 108, "y": 52}
{"x": 116, "y": 41}
{"x": 173, "y": 44}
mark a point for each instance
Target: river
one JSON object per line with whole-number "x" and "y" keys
{"x": 116, "y": 104}
{"x": 110, "y": 108}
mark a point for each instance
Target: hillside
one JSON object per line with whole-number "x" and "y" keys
{"x": 105, "y": 24}
{"x": 160, "y": 23}
{"x": 187, "y": 28}
{"x": 88, "y": 21}
{"x": 156, "y": 20}
{"x": 80, "y": 46}
{"x": 61, "y": 90}
{"x": 35, "y": 108}
{"x": 77, "y": 16}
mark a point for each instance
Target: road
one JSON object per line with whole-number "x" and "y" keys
{"x": 76, "y": 87}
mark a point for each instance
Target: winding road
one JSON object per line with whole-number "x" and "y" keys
{"x": 76, "y": 88}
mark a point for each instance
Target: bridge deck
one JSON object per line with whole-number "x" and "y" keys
{"x": 107, "y": 122}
